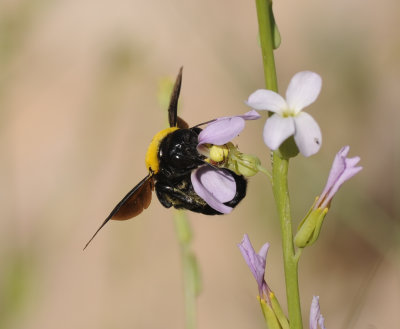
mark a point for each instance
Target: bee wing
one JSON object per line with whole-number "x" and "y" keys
{"x": 132, "y": 204}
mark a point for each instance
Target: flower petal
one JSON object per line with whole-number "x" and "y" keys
{"x": 256, "y": 262}
{"x": 308, "y": 136}
{"x": 251, "y": 115}
{"x": 221, "y": 131}
{"x": 263, "y": 99}
{"x": 315, "y": 314}
{"x": 303, "y": 90}
{"x": 321, "y": 322}
{"x": 263, "y": 252}
{"x": 342, "y": 170}
{"x": 214, "y": 186}
{"x": 346, "y": 175}
{"x": 337, "y": 169}
{"x": 277, "y": 129}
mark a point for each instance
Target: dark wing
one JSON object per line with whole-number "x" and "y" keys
{"x": 174, "y": 120}
{"x": 132, "y": 204}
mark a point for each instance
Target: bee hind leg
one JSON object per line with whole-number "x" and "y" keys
{"x": 170, "y": 196}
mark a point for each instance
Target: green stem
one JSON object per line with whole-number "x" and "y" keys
{"x": 265, "y": 29}
{"x": 281, "y": 195}
{"x": 280, "y": 171}
{"x": 191, "y": 280}
{"x": 265, "y": 171}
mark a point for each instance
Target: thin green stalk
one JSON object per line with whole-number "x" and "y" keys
{"x": 280, "y": 171}
{"x": 191, "y": 278}
{"x": 281, "y": 195}
{"x": 265, "y": 29}
{"x": 265, "y": 172}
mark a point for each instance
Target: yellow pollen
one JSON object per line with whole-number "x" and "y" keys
{"x": 218, "y": 153}
{"x": 152, "y": 163}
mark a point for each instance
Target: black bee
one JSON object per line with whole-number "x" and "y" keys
{"x": 170, "y": 160}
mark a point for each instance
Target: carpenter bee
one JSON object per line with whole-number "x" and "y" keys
{"x": 170, "y": 160}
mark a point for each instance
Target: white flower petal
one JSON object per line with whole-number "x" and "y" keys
{"x": 303, "y": 90}
{"x": 263, "y": 99}
{"x": 308, "y": 136}
{"x": 277, "y": 129}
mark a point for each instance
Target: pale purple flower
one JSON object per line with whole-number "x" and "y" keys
{"x": 256, "y": 263}
{"x": 343, "y": 169}
{"x": 288, "y": 118}
{"x": 213, "y": 185}
{"x": 223, "y": 130}
{"x": 316, "y": 317}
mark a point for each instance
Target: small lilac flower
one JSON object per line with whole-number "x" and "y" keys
{"x": 316, "y": 317}
{"x": 213, "y": 185}
{"x": 256, "y": 263}
{"x": 288, "y": 118}
{"x": 272, "y": 311}
{"x": 343, "y": 169}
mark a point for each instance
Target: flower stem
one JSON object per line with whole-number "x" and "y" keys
{"x": 280, "y": 167}
{"x": 265, "y": 29}
{"x": 281, "y": 195}
{"x": 191, "y": 277}
{"x": 265, "y": 172}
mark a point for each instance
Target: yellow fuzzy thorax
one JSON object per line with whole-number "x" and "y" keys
{"x": 152, "y": 163}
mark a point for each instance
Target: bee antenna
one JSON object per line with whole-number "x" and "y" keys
{"x": 204, "y": 123}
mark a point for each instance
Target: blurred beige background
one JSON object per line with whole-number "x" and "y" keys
{"x": 78, "y": 106}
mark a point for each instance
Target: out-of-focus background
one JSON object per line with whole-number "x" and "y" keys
{"x": 78, "y": 105}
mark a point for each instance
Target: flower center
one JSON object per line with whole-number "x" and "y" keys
{"x": 288, "y": 112}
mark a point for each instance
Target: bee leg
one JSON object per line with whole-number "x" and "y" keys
{"x": 171, "y": 196}
{"x": 182, "y": 199}
{"x": 163, "y": 196}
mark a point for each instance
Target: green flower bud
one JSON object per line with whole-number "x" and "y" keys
{"x": 273, "y": 314}
{"x": 248, "y": 165}
{"x": 269, "y": 315}
{"x": 276, "y": 307}
{"x": 310, "y": 227}
{"x": 242, "y": 164}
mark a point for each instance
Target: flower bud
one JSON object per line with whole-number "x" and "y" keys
{"x": 269, "y": 315}
{"x": 242, "y": 164}
{"x": 273, "y": 313}
{"x": 310, "y": 227}
{"x": 245, "y": 164}
{"x": 343, "y": 168}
